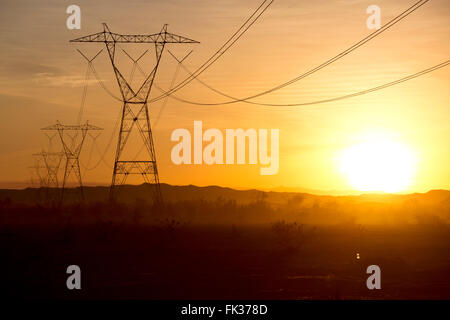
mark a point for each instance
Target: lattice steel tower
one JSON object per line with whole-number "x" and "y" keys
{"x": 52, "y": 162}
{"x": 72, "y": 145}
{"x": 135, "y": 108}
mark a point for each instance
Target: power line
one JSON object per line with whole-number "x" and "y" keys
{"x": 86, "y": 83}
{"x": 136, "y": 64}
{"x": 386, "y": 85}
{"x": 376, "y": 33}
{"x": 180, "y": 63}
{"x": 224, "y": 48}
{"x": 100, "y": 81}
{"x": 108, "y": 145}
{"x": 213, "y": 58}
{"x": 193, "y": 75}
{"x": 359, "y": 93}
{"x": 218, "y": 52}
{"x": 103, "y": 154}
{"x": 175, "y": 75}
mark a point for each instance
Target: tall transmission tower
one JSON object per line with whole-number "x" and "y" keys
{"x": 72, "y": 138}
{"x": 135, "y": 108}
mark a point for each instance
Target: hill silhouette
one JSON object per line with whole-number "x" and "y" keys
{"x": 132, "y": 193}
{"x": 215, "y": 204}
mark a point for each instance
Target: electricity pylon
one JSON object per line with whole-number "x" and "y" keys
{"x": 40, "y": 170}
{"x": 135, "y": 109}
{"x": 72, "y": 150}
{"x": 37, "y": 168}
{"x": 52, "y": 162}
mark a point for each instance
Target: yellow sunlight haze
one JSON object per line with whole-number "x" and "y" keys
{"x": 378, "y": 163}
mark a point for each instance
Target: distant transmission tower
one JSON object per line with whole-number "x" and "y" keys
{"x": 40, "y": 170}
{"x": 72, "y": 138}
{"x": 52, "y": 162}
{"x": 135, "y": 109}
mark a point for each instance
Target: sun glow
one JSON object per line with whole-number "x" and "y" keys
{"x": 378, "y": 163}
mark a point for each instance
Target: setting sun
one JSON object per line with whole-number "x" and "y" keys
{"x": 378, "y": 164}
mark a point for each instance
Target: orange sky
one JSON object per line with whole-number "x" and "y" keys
{"x": 42, "y": 78}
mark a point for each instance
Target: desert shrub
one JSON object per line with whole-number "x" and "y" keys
{"x": 289, "y": 237}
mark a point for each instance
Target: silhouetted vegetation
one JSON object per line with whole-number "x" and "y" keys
{"x": 274, "y": 245}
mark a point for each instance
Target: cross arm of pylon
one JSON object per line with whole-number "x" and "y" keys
{"x": 45, "y": 153}
{"x": 161, "y": 37}
{"x": 53, "y": 127}
{"x": 59, "y": 126}
{"x": 37, "y": 167}
{"x": 95, "y": 37}
{"x": 88, "y": 126}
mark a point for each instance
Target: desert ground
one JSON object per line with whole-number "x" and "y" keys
{"x": 304, "y": 247}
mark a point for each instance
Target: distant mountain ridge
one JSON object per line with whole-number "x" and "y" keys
{"x": 132, "y": 193}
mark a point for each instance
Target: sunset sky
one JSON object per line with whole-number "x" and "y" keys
{"x": 42, "y": 79}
